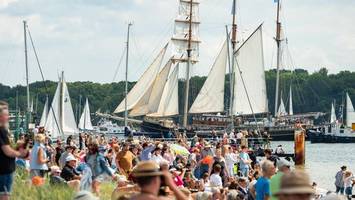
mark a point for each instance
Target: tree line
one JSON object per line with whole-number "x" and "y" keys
{"x": 312, "y": 92}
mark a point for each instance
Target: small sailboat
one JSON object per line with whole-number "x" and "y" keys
{"x": 44, "y": 116}
{"x": 85, "y": 119}
{"x": 61, "y": 121}
{"x": 350, "y": 113}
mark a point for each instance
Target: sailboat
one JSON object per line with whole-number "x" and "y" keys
{"x": 282, "y": 109}
{"x": 85, "y": 119}
{"x": 61, "y": 121}
{"x": 335, "y": 132}
{"x": 44, "y": 115}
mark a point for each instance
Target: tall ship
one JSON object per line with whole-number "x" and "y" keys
{"x": 154, "y": 98}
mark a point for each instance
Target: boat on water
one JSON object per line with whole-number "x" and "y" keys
{"x": 336, "y": 132}
{"x": 107, "y": 127}
{"x": 85, "y": 124}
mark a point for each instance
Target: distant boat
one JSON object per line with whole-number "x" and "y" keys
{"x": 44, "y": 116}
{"x": 85, "y": 119}
{"x": 335, "y": 132}
{"x": 60, "y": 122}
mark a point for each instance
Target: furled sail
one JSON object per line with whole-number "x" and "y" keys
{"x": 44, "y": 116}
{"x": 150, "y": 100}
{"x": 350, "y": 112}
{"x": 250, "y": 74}
{"x": 333, "y": 117}
{"x": 85, "y": 119}
{"x": 211, "y": 96}
{"x": 61, "y": 118}
{"x": 169, "y": 105}
{"x": 290, "y": 103}
{"x": 181, "y": 33}
{"x": 143, "y": 84}
{"x": 282, "y": 110}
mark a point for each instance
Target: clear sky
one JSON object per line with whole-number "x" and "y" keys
{"x": 85, "y": 38}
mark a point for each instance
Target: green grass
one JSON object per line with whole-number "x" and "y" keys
{"x": 23, "y": 190}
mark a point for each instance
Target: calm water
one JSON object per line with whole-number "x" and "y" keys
{"x": 324, "y": 160}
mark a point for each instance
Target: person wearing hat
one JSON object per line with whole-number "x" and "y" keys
{"x": 69, "y": 173}
{"x": 283, "y": 167}
{"x": 295, "y": 185}
{"x": 148, "y": 175}
{"x": 339, "y": 180}
{"x": 38, "y": 161}
{"x": 69, "y": 150}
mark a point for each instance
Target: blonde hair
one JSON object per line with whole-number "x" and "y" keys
{"x": 40, "y": 138}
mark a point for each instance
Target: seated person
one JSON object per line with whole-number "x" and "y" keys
{"x": 69, "y": 173}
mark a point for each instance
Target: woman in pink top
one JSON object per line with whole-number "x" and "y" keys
{"x": 177, "y": 176}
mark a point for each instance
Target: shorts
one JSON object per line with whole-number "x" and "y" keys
{"x": 6, "y": 181}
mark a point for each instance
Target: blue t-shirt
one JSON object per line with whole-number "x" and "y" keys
{"x": 243, "y": 156}
{"x": 262, "y": 188}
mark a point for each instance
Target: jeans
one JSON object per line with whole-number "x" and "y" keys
{"x": 348, "y": 192}
{"x": 244, "y": 172}
{"x": 339, "y": 190}
{"x": 6, "y": 181}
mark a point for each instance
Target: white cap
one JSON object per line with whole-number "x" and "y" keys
{"x": 283, "y": 162}
{"x": 70, "y": 158}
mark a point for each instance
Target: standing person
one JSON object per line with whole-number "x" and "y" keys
{"x": 244, "y": 161}
{"x": 262, "y": 186}
{"x": 215, "y": 178}
{"x": 348, "y": 184}
{"x": 339, "y": 180}
{"x": 38, "y": 161}
{"x": 283, "y": 166}
{"x": 98, "y": 165}
{"x": 231, "y": 159}
{"x": 269, "y": 156}
{"x": 124, "y": 160}
{"x": 7, "y": 155}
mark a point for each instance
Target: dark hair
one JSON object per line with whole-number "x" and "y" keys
{"x": 243, "y": 147}
{"x": 217, "y": 168}
{"x": 144, "y": 181}
{"x": 233, "y": 185}
{"x": 267, "y": 151}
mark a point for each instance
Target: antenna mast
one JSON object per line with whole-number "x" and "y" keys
{"x": 28, "y": 113}
{"x": 232, "y": 76}
{"x": 126, "y": 75}
{"x": 187, "y": 84}
{"x": 278, "y": 42}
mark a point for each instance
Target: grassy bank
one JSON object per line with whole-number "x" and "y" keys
{"x": 23, "y": 190}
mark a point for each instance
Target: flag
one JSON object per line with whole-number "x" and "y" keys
{"x": 234, "y": 7}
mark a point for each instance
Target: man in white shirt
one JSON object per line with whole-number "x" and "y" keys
{"x": 215, "y": 178}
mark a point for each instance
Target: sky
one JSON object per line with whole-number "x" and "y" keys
{"x": 86, "y": 38}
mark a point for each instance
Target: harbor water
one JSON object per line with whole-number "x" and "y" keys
{"x": 323, "y": 161}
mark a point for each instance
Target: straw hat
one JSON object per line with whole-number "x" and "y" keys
{"x": 147, "y": 168}
{"x": 295, "y": 182}
{"x": 282, "y": 162}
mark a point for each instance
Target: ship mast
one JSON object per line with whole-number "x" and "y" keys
{"x": 61, "y": 105}
{"x": 278, "y": 42}
{"x": 234, "y": 42}
{"x": 126, "y": 75}
{"x": 188, "y": 63}
{"x": 28, "y": 113}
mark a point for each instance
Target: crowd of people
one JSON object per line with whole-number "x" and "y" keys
{"x": 149, "y": 169}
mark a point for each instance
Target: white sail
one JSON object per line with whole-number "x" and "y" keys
{"x": 333, "y": 117}
{"x": 85, "y": 119}
{"x": 61, "y": 118}
{"x": 44, "y": 116}
{"x": 169, "y": 104}
{"x": 282, "y": 110}
{"x": 250, "y": 66}
{"x": 143, "y": 84}
{"x": 350, "y": 112}
{"x": 181, "y": 32}
{"x": 150, "y": 101}
{"x": 211, "y": 96}
{"x": 290, "y": 103}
